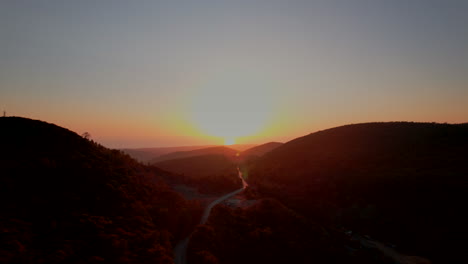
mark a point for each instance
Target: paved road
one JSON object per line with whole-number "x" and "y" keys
{"x": 180, "y": 251}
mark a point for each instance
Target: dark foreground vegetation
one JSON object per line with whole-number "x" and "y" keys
{"x": 66, "y": 199}
{"x": 401, "y": 183}
{"x": 269, "y": 232}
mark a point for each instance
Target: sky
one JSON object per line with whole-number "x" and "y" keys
{"x": 173, "y": 73}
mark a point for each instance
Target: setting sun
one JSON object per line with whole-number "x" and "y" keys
{"x": 231, "y": 108}
{"x": 229, "y": 141}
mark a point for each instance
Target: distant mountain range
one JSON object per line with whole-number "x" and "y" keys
{"x": 156, "y": 155}
{"x": 148, "y": 154}
{"x": 225, "y": 151}
{"x": 152, "y": 154}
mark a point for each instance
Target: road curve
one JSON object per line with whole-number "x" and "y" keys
{"x": 180, "y": 251}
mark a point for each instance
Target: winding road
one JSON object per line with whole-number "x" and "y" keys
{"x": 180, "y": 251}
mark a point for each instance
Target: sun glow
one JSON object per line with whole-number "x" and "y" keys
{"x": 229, "y": 141}
{"x": 231, "y": 109}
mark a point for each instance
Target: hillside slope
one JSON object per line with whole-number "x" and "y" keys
{"x": 227, "y": 152}
{"x": 260, "y": 150}
{"x": 66, "y": 199}
{"x": 148, "y": 154}
{"x": 198, "y": 166}
{"x": 404, "y": 183}
{"x": 212, "y": 173}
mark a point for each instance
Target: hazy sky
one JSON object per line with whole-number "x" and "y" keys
{"x": 149, "y": 73}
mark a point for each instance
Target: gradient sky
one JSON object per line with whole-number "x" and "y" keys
{"x": 129, "y": 72}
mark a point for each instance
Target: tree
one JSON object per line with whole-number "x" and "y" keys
{"x": 86, "y": 135}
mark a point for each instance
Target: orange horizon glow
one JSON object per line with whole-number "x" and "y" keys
{"x": 166, "y": 74}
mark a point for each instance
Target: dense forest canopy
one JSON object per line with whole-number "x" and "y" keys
{"x": 67, "y": 199}
{"x": 401, "y": 182}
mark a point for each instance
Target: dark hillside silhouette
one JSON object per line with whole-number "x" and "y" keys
{"x": 260, "y": 150}
{"x": 403, "y": 183}
{"x": 151, "y": 154}
{"x": 249, "y": 156}
{"x": 66, "y": 199}
{"x": 147, "y": 154}
{"x": 220, "y": 150}
{"x": 212, "y": 173}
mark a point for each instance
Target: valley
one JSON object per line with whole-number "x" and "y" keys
{"x": 390, "y": 181}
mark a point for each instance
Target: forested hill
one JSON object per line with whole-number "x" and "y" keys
{"x": 260, "y": 150}
{"x": 402, "y": 182}
{"x": 67, "y": 199}
{"x": 219, "y": 150}
{"x": 210, "y": 174}
{"x": 361, "y": 142}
